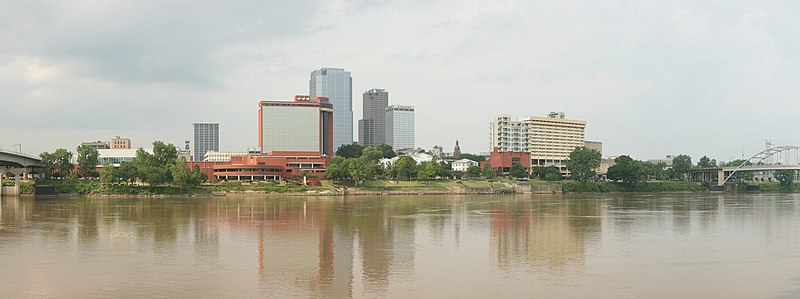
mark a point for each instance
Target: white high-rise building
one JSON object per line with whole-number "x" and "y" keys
{"x": 206, "y": 138}
{"x": 400, "y": 126}
{"x": 508, "y": 135}
{"x": 336, "y": 85}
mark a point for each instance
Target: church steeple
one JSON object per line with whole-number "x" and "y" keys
{"x": 457, "y": 151}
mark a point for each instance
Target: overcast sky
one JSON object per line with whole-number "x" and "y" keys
{"x": 651, "y": 78}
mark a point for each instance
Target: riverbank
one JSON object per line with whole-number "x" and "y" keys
{"x": 93, "y": 188}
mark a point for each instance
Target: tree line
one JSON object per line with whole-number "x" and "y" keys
{"x": 161, "y": 167}
{"x": 362, "y": 163}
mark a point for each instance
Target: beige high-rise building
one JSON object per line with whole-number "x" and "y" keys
{"x": 549, "y": 139}
{"x": 120, "y": 143}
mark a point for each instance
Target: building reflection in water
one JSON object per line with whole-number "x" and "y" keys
{"x": 365, "y": 247}
{"x": 545, "y": 232}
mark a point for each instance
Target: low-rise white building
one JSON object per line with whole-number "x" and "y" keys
{"x": 418, "y": 157}
{"x": 212, "y": 156}
{"x": 463, "y": 164}
{"x": 117, "y": 156}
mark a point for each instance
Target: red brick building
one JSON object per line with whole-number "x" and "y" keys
{"x": 502, "y": 161}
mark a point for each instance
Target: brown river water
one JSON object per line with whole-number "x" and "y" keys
{"x": 517, "y": 246}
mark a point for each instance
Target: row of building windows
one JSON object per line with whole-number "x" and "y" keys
{"x": 249, "y": 170}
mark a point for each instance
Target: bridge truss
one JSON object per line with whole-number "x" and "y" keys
{"x": 779, "y": 157}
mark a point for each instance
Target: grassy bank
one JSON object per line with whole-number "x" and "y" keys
{"x": 574, "y": 187}
{"x": 771, "y": 187}
{"x": 93, "y": 187}
{"x": 422, "y": 186}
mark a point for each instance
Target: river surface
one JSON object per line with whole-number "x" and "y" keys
{"x": 523, "y": 246}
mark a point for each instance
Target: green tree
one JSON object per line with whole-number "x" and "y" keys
{"x": 198, "y": 175}
{"x": 429, "y": 170}
{"x": 738, "y": 162}
{"x": 627, "y": 170}
{"x": 473, "y": 171}
{"x": 361, "y": 169}
{"x": 681, "y": 165}
{"x": 706, "y": 162}
{"x": 488, "y": 171}
{"x": 58, "y": 163}
{"x": 405, "y": 168}
{"x": 553, "y": 176}
{"x": 127, "y": 172}
{"x": 183, "y": 176}
{"x": 445, "y": 170}
{"x": 108, "y": 174}
{"x": 49, "y": 162}
{"x": 164, "y": 155}
{"x": 387, "y": 151}
{"x": 349, "y": 150}
{"x": 657, "y": 171}
{"x": 582, "y": 163}
{"x": 87, "y": 161}
{"x": 337, "y": 169}
{"x": 372, "y": 153}
{"x": 785, "y": 177}
{"x": 156, "y": 168}
{"x": 63, "y": 160}
{"x": 547, "y": 173}
{"x": 423, "y": 172}
{"x": 518, "y": 171}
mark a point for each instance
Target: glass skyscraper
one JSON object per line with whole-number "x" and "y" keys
{"x": 336, "y": 85}
{"x": 400, "y": 126}
{"x": 206, "y": 138}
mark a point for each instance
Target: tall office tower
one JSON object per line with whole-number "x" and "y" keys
{"x": 304, "y": 125}
{"x": 371, "y": 128}
{"x": 206, "y": 138}
{"x": 400, "y": 126}
{"x": 336, "y": 85}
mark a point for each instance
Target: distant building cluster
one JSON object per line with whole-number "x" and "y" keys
{"x": 385, "y": 124}
{"x": 549, "y": 140}
{"x": 116, "y": 142}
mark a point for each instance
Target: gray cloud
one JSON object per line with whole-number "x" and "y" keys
{"x": 651, "y": 77}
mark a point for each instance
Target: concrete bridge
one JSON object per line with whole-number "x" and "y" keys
{"x": 774, "y": 158}
{"x": 20, "y": 165}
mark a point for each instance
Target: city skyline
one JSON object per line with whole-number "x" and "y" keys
{"x": 670, "y": 75}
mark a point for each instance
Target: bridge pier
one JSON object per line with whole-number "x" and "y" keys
{"x": 720, "y": 177}
{"x": 12, "y": 191}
